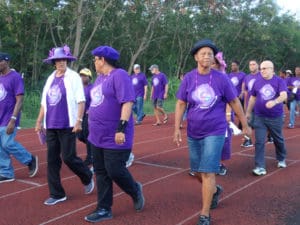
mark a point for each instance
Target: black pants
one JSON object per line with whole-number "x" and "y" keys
{"x": 109, "y": 166}
{"x": 61, "y": 143}
{"x": 83, "y": 136}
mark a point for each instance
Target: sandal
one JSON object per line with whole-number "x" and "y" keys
{"x": 165, "y": 119}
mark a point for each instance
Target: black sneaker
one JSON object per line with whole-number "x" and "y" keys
{"x": 33, "y": 166}
{"x": 99, "y": 215}
{"x": 215, "y": 200}
{"x": 204, "y": 220}
{"x": 247, "y": 143}
{"x": 223, "y": 170}
{"x": 6, "y": 179}
{"x": 88, "y": 161}
{"x": 140, "y": 201}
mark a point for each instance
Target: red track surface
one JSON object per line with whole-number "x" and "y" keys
{"x": 172, "y": 196}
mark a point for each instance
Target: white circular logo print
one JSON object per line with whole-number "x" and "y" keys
{"x": 235, "y": 81}
{"x": 296, "y": 83}
{"x": 204, "y": 95}
{"x": 155, "y": 81}
{"x": 135, "y": 81}
{"x": 3, "y": 92}
{"x": 267, "y": 92}
{"x": 54, "y": 95}
{"x": 97, "y": 96}
{"x": 250, "y": 84}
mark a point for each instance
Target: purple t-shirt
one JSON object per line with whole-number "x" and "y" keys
{"x": 11, "y": 85}
{"x": 237, "y": 80}
{"x": 294, "y": 81}
{"x": 249, "y": 80}
{"x": 87, "y": 95}
{"x": 159, "y": 81}
{"x": 107, "y": 96}
{"x": 57, "y": 109}
{"x": 139, "y": 81}
{"x": 206, "y": 96}
{"x": 266, "y": 90}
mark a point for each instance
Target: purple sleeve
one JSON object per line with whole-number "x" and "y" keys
{"x": 19, "y": 85}
{"x": 145, "y": 81}
{"x": 181, "y": 93}
{"x": 230, "y": 91}
{"x": 282, "y": 85}
{"x": 123, "y": 87}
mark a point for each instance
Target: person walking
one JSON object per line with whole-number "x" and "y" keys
{"x": 159, "y": 93}
{"x": 293, "y": 84}
{"x": 61, "y": 114}
{"x": 11, "y": 101}
{"x": 206, "y": 92}
{"x": 111, "y": 133}
{"x": 140, "y": 84}
{"x": 267, "y": 96}
{"x": 86, "y": 77}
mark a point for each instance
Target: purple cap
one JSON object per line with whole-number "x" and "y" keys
{"x": 106, "y": 52}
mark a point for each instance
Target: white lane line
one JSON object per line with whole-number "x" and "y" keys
{"x": 235, "y": 192}
{"x": 157, "y": 165}
{"x": 115, "y": 195}
{"x": 29, "y": 182}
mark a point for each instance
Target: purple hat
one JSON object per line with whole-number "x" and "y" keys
{"x": 204, "y": 43}
{"x": 60, "y": 53}
{"x": 106, "y": 52}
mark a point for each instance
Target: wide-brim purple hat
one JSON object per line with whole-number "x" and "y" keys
{"x": 63, "y": 52}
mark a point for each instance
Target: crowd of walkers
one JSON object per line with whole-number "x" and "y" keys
{"x": 103, "y": 114}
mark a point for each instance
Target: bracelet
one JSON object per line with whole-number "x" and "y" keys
{"x": 228, "y": 114}
{"x": 122, "y": 126}
{"x": 276, "y": 101}
{"x": 80, "y": 120}
{"x": 13, "y": 118}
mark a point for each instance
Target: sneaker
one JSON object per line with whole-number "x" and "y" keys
{"x": 130, "y": 160}
{"x": 53, "y": 201}
{"x": 215, "y": 199}
{"x": 270, "y": 140}
{"x": 140, "y": 201}
{"x": 291, "y": 126}
{"x": 33, "y": 166}
{"x": 281, "y": 164}
{"x": 192, "y": 174}
{"x": 138, "y": 123}
{"x": 99, "y": 215}
{"x": 247, "y": 143}
{"x": 90, "y": 187}
{"x": 6, "y": 179}
{"x": 258, "y": 171}
{"x": 223, "y": 170}
{"x": 204, "y": 220}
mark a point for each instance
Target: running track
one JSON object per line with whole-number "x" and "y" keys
{"x": 172, "y": 196}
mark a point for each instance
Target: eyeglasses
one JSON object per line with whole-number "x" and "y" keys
{"x": 95, "y": 59}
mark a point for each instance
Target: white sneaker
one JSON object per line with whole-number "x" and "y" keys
{"x": 130, "y": 160}
{"x": 281, "y": 164}
{"x": 258, "y": 171}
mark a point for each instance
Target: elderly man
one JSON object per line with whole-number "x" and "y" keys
{"x": 267, "y": 97}
{"x": 11, "y": 100}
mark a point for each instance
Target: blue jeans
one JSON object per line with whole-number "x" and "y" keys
{"x": 138, "y": 108}
{"x": 8, "y": 146}
{"x": 205, "y": 153}
{"x": 293, "y": 110}
{"x": 274, "y": 125}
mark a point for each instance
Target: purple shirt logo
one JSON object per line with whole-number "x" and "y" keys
{"x": 155, "y": 81}
{"x": 54, "y": 95}
{"x": 235, "y": 81}
{"x": 3, "y": 92}
{"x": 135, "y": 81}
{"x": 97, "y": 96}
{"x": 296, "y": 83}
{"x": 250, "y": 84}
{"x": 267, "y": 92}
{"x": 205, "y": 96}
